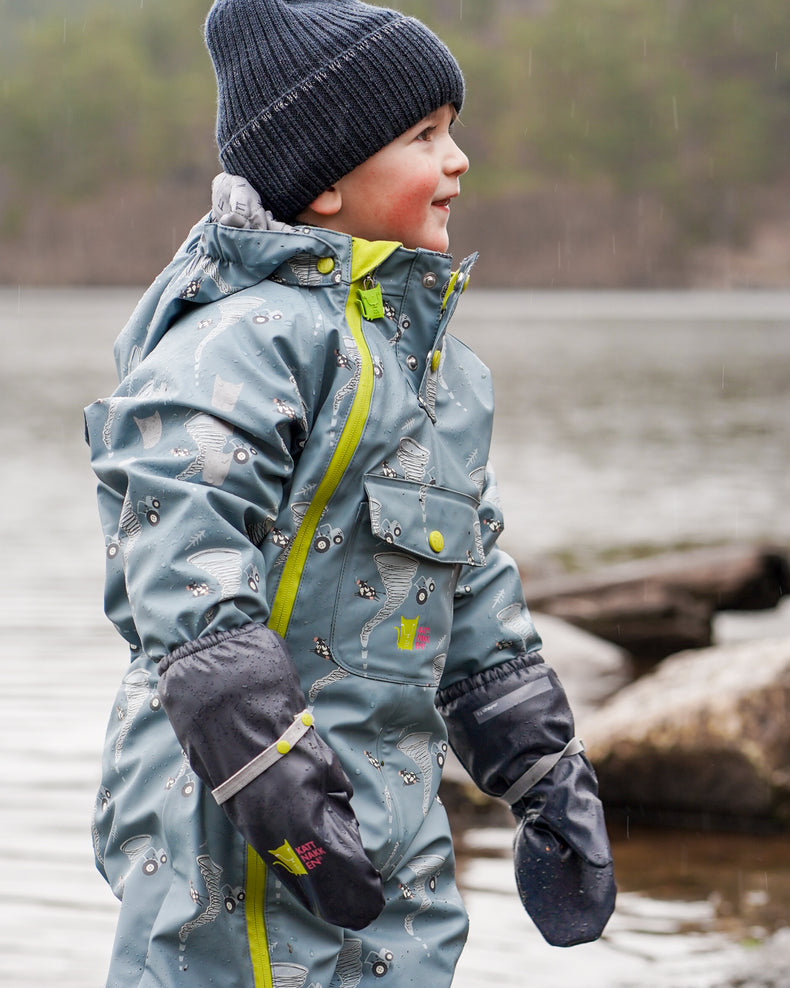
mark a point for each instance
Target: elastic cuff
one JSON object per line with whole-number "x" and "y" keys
{"x": 487, "y": 676}
{"x": 207, "y": 641}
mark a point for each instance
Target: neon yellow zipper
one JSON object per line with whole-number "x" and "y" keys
{"x": 365, "y": 257}
{"x": 254, "y": 911}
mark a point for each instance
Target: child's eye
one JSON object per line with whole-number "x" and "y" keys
{"x": 427, "y": 134}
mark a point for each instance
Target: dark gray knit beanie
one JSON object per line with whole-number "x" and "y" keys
{"x": 309, "y": 89}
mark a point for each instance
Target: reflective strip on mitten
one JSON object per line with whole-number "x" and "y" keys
{"x": 236, "y": 706}
{"x": 512, "y": 729}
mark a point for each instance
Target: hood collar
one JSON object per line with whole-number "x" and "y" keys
{"x": 216, "y": 261}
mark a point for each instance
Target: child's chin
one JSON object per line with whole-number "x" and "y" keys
{"x": 439, "y": 244}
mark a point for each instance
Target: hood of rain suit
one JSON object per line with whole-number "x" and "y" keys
{"x": 214, "y": 262}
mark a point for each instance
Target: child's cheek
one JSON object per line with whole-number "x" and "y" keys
{"x": 410, "y": 203}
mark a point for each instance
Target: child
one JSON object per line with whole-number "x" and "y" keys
{"x": 301, "y": 534}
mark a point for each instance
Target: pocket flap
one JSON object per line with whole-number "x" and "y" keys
{"x": 425, "y": 520}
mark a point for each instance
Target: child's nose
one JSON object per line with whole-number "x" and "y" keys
{"x": 457, "y": 161}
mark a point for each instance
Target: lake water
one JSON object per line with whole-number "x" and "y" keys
{"x": 625, "y": 422}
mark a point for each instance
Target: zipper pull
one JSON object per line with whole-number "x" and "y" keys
{"x": 370, "y": 300}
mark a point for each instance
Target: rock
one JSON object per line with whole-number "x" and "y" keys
{"x": 590, "y": 669}
{"x": 705, "y": 737}
{"x": 732, "y": 626}
{"x": 648, "y": 620}
{"x": 660, "y": 605}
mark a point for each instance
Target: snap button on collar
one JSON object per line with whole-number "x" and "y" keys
{"x": 436, "y": 541}
{"x": 429, "y": 280}
{"x": 412, "y": 362}
{"x": 436, "y": 359}
{"x": 325, "y": 265}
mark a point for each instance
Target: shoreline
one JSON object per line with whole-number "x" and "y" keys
{"x": 577, "y": 238}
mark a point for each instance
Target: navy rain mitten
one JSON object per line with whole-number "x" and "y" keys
{"x": 512, "y": 729}
{"x": 236, "y": 706}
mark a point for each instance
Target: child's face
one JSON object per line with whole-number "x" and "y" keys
{"x": 402, "y": 192}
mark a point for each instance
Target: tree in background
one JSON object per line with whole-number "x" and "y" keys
{"x": 110, "y": 91}
{"x": 680, "y": 102}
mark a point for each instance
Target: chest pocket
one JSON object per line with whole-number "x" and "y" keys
{"x": 394, "y": 607}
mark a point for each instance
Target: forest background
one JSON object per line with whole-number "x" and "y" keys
{"x": 614, "y": 143}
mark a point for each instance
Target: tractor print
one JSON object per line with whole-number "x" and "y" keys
{"x": 150, "y": 506}
{"x": 403, "y": 325}
{"x": 184, "y": 777}
{"x": 424, "y": 589}
{"x": 379, "y": 961}
{"x": 391, "y": 530}
{"x": 139, "y": 849}
{"x": 232, "y": 897}
{"x": 242, "y": 453}
{"x": 326, "y": 537}
{"x": 263, "y": 317}
{"x": 187, "y": 786}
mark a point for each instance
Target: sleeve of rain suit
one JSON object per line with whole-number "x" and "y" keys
{"x": 510, "y": 724}
{"x": 193, "y": 455}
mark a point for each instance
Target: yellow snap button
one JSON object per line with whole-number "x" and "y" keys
{"x": 325, "y": 265}
{"x": 436, "y": 541}
{"x": 307, "y": 719}
{"x": 436, "y": 359}
{"x": 283, "y": 747}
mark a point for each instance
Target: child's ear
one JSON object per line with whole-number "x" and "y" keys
{"x": 328, "y": 203}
